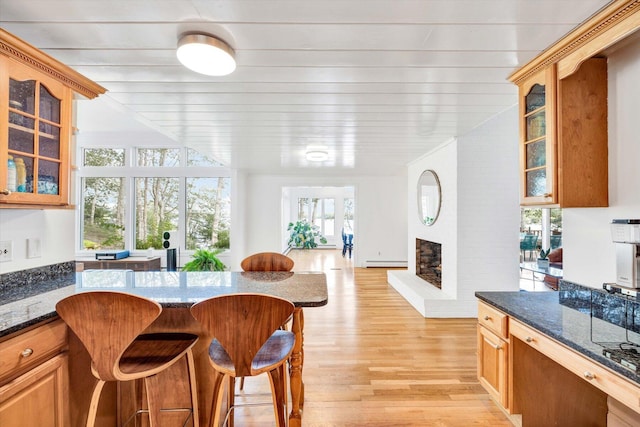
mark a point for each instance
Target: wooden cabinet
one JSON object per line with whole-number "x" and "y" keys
{"x": 130, "y": 263}
{"x": 493, "y": 352}
{"x": 36, "y": 101}
{"x": 563, "y": 137}
{"x": 539, "y": 381}
{"x": 34, "y": 378}
{"x": 563, "y": 112}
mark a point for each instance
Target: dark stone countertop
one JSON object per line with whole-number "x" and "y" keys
{"x": 585, "y": 334}
{"x": 21, "y": 307}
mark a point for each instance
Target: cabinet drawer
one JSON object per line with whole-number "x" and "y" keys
{"x": 24, "y": 351}
{"x": 493, "y": 320}
{"x": 592, "y": 372}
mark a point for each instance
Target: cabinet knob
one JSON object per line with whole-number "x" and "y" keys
{"x": 529, "y": 339}
{"x": 5, "y": 192}
{"x": 588, "y": 375}
{"x": 487, "y": 317}
{"x": 26, "y": 352}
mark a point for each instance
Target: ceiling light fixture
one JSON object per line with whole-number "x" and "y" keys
{"x": 317, "y": 154}
{"x": 206, "y": 54}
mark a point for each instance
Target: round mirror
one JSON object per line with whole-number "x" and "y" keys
{"x": 428, "y": 197}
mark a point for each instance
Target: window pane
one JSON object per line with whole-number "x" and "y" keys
{"x": 208, "y": 213}
{"x": 316, "y": 211}
{"x": 103, "y": 205}
{"x": 194, "y": 158}
{"x": 303, "y": 209}
{"x": 156, "y": 210}
{"x": 348, "y": 214}
{"x": 165, "y": 157}
{"x": 329, "y": 216}
{"x": 103, "y": 156}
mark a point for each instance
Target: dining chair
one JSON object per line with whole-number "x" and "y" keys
{"x": 267, "y": 261}
{"x": 247, "y": 341}
{"x": 528, "y": 243}
{"x": 347, "y": 243}
{"x": 109, "y": 325}
{"x": 555, "y": 241}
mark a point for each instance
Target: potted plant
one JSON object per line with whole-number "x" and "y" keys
{"x": 543, "y": 260}
{"x": 205, "y": 260}
{"x": 303, "y": 235}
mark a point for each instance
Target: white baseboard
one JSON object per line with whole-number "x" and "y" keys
{"x": 378, "y": 263}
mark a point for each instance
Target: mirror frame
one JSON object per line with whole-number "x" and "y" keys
{"x": 431, "y": 175}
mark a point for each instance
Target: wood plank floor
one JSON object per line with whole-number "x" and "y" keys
{"x": 372, "y": 360}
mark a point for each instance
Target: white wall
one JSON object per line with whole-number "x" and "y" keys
{"x": 380, "y": 214}
{"x": 588, "y": 255}
{"x": 54, "y": 227}
{"x": 478, "y": 223}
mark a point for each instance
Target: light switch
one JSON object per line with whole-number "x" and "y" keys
{"x": 33, "y": 248}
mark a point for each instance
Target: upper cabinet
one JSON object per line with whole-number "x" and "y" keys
{"x": 36, "y": 127}
{"x": 563, "y": 113}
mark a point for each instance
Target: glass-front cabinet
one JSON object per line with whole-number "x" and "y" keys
{"x": 538, "y": 139}
{"x": 36, "y": 96}
{"x": 37, "y": 138}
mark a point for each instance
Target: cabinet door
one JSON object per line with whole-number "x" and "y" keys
{"x": 492, "y": 364}
{"x": 538, "y": 139}
{"x": 37, "y": 398}
{"x": 37, "y": 135}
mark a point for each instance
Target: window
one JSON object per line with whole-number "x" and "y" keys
{"x": 208, "y": 203}
{"x": 156, "y": 210}
{"x": 103, "y": 209}
{"x": 319, "y": 212}
{"x": 129, "y": 196}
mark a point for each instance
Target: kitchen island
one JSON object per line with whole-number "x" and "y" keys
{"x": 176, "y": 292}
{"x": 551, "y": 357}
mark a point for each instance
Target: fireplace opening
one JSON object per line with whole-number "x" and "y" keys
{"x": 429, "y": 262}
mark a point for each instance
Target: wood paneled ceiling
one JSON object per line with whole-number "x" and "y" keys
{"x": 378, "y": 82}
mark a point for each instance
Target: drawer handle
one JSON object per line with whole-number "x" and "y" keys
{"x": 5, "y": 192}
{"x": 529, "y": 339}
{"x": 26, "y": 352}
{"x": 588, "y": 375}
{"x": 487, "y": 317}
{"x": 496, "y": 346}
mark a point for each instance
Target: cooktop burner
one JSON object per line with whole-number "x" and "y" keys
{"x": 626, "y": 354}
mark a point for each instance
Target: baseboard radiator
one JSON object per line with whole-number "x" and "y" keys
{"x": 382, "y": 263}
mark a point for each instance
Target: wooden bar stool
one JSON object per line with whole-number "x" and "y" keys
{"x": 109, "y": 325}
{"x": 267, "y": 261}
{"x": 247, "y": 341}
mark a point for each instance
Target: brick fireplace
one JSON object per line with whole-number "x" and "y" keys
{"x": 429, "y": 262}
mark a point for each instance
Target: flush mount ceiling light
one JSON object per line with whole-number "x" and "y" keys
{"x": 317, "y": 153}
{"x": 206, "y": 54}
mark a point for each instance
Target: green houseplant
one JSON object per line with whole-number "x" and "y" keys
{"x": 303, "y": 235}
{"x": 543, "y": 260}
{"x": 205, "y": 260}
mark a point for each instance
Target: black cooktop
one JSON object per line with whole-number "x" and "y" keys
{"x": 626, "y": 354}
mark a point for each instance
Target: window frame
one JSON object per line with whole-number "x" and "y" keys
{"x": 130, "y": 171}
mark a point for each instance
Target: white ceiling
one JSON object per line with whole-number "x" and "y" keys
{"x": 379, "y": 82}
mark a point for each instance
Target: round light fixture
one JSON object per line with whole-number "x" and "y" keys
{"x": 205, "y": 54}
{"x": 317, "y": 155}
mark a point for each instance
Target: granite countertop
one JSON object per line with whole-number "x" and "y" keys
{"x": 580, "y": 331}
{"x": 23, "y": 306}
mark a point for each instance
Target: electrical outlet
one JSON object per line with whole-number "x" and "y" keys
{"x": 6, "y": 250}
{"x": 34, "y": 249}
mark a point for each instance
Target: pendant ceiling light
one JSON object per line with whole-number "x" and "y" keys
{"x": 206, "y": 54}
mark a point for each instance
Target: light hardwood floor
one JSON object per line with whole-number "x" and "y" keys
{"x": 372, "y": 360}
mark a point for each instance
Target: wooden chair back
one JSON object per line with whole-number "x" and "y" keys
{"x": 267, "y": 261}
{"x": 242, "y": 323}
{"x": 107, "y": 323}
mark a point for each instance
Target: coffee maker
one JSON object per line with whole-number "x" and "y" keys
{"x": 626, "y": 236}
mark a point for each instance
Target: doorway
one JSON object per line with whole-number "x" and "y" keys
{"x": 331, "y": 209}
